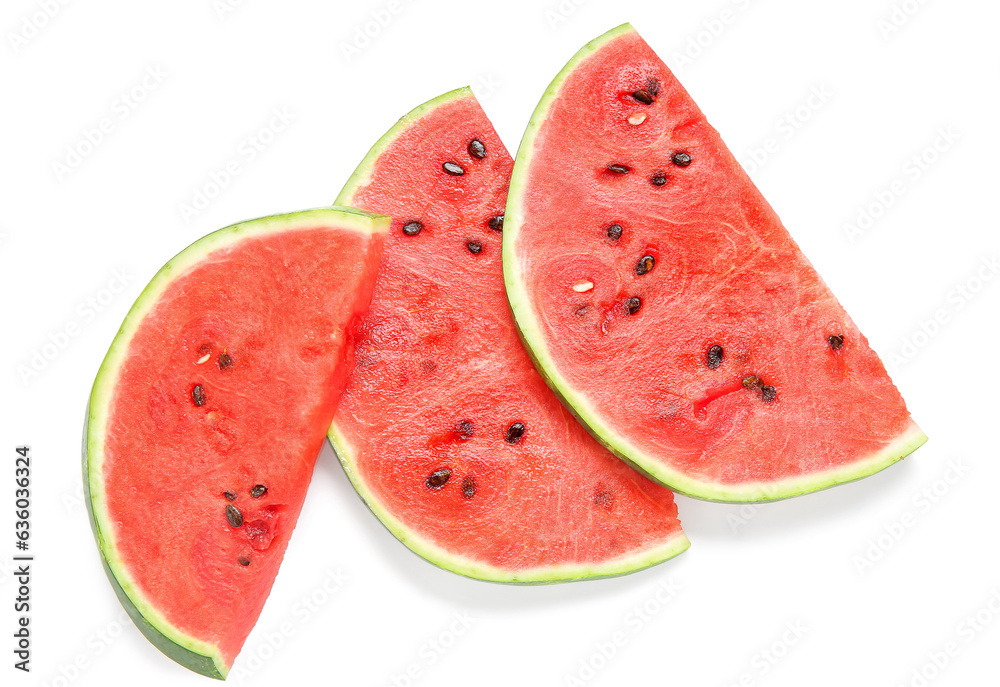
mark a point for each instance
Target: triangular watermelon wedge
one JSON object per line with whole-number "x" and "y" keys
{"x": 207, "y": 416}
{"x": 445, "y": 428}
{"x": 663, "y": 300}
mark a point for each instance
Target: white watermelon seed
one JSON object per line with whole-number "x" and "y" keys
{"x": 583, "y": 286}
{"x": 636, "y": 118}
{"x": 204, "y": 359}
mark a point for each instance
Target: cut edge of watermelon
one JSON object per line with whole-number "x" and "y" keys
{"x": 467, "y": 567}
{"x": 190, "y": 652}
{"x": 527, "y": 324}
{"x": 362, "y": 174}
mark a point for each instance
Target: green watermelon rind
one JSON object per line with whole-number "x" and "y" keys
{"x": 531, "y": 336}
{"x": 362, "y": 174}
{"x": 190, "y": 652}
{"x": 467, "y": 567}
{"x": 420, "y": 545}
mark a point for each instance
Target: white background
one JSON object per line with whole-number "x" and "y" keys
{"x": 751, "y": 572}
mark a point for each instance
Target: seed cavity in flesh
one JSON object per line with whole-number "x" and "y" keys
{"x": 258, "y": 491}
{"x": 645, "y": 264}
{"x": 230, "y": 496}
{"x": 615, "y": 232}
{"x": 453, "y": 169}
{"x": 233, "y": 516}
{"x": 514, "y": 433}
{"x": 225, "y": 360}
{"x": 477, "y": 149}
{"x": 653, "y": 86}
{"x": 658, "y": 180}
{"x": 636, "y": 118}
{"x": 768, "y": 393}
{"x": 714, "y": 356}
{"x": 198, "y": 395}
{"x": 464, "y": 430}
{"x": 412, "y": 228}
{"x": 643, "y": 96}
{"x": 496, "y": 223}
{"x": 474, "y": 247}
{"x": 468, "y": 487}
{"x": 583, "y": 286}
{"x": 681, "y": 159}
{"x": 438, "y": 479}
{"x": 751, "y": 382}
{"x": 243, "y": 560}
{"x": 604, "y": 500}
{"x": 618, "y": 169}
{"x": 204, "y": 359}
{"x": 835, "y": 341}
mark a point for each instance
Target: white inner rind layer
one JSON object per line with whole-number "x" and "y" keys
{"x": 189, "y": 651}
{"x": 421, "y": 545}
{"x": 528, "y": 324}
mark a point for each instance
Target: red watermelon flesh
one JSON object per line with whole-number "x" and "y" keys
{"x": 446, "y": 429}
{"x": 664, "y": 301}
{"x": 207, "y": 417}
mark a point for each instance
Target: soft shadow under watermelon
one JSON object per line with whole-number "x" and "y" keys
{"x": 705, "y": 521}
{"x": 428, "y": 579}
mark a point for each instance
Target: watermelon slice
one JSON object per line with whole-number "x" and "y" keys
{"x": 662, "y": 299}
{"x": 207, "y": 416}
{"x": 446, "y": 430}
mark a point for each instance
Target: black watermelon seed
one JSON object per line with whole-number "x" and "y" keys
{"x": 438, "y": 478}
{"x": 243, "y": 560}
{"x": 645, "y": 264}
{"x": 681, "y": 159}
{"x": 653, "y": 86}
{"x": 225, "y": 360}
{"x": 835, "y": 341}
{"x": 412, "y": 228}
{"x": 453, "y": 169}
{"x": 714, "y": 356}
{"x": 633, "y": 304}
{"x": 643, "y": 96}
{"x": 474, "y": 247}
{"x": 619, "y": 169}
{"x": 198, "y": 395}
{"x": 258, "y": 491}
{"x": 658, "y": 180}
{"x": 464, "y": 430}
{"x": 477, "y": 149}
{"x": 514, "y": 433}
{"x": 468, "y": 487}
{"x": 768, "y": 393}
{"x": 496, "y": 223}
{"x": 751, "y": 382}
{"x": 233, "y": 516}
{"x": 230, "y": 496}
{"x": 615, "y": 232}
